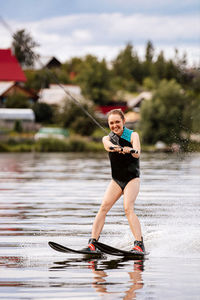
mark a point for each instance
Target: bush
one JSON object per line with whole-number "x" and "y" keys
{"x": 43, "y": 112}
{"x": 162, "y": 118}
{"x": 74, "y": 144}
{"x": 149, "y": 83}
{"x": 18, "y": 126}
{"x": 4, "y": 148}
{"x": 17, "y": 100}
{"x": 74, "y": 117}
{"x": 51, "y": 145}
{"x": 77, "y": 145}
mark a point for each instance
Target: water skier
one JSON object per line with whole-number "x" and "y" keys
{"x": 125, "y": 178}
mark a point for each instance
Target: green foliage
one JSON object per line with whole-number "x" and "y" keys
{"x": 61, "y": 76}
{"x": 43, "y": 112}
{"x": 162, "y": 117}
{"x": 21, "y": 148}
{"x": 124, "y": 63}
{"x": 40, "y": 79}
{"x": 18, "y": 126}
{"x": 4, "y": 147}
{"x": 77, "y": 145}
{"x": 147, "y": 65}
{"x": 74, "y": 144}
{"x": 73, "y": 117}
{"x": 37, "y": 79}
{"x": 51, "y": 145}
{"x": 127, "y": 65}
{"x": 94, "y": 79}
{"x": 73, "y": 65}
{"x": 149, "y": 52}
{"x": 149, "y": 84}
{"x": 192, "y": 112}
{"x": 23, "y": 45}
{"x": 195, "y": 83}
{"x": 17, "y": 100}
{"x": 193, "y": 109}
{"x": 127, "y": 85}
{"x": 159, "y": 69}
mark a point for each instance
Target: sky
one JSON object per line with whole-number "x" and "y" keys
{"x": 69, "y": 28}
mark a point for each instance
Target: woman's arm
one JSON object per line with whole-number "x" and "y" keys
{"x": 135, "y": 141}
{"x": 107, "y": 144}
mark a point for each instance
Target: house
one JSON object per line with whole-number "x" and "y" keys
{"x": 104, "y": 109}
{"x": 136, "y": 102}
{"x": 12, "y": 78}
{"x": 8, "y": 88}
{"x": 9, "y": 116}
{"x": 132, "y": 117}
{"x": 46, "y": 62}
{"x": 56, "y": 94}
{"x": 10, "y": 69}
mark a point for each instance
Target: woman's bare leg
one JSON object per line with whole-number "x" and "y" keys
{"x": 130, "y": 194}
{"x": 112, "y": 194}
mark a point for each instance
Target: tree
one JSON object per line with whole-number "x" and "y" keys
{"x": 148, "y": 63}
{"x": 18, "y": 126}
{"x": 192, "y": 111}
{"x": 162, "y": 118}
{"x": 73, "y": 117}
{"x": 23, "y": 45}
{"x": 74, "y": 65}
{"x": 171, "y": 70}
{"x": 127, "y": 65}
{"x": 123, "y": 64}
{"x": 149, "y": 52}
{"x": 159, "y": 68}
{"x": 17, "y": 100}
{"x": 37, "y": 79}
{"x": 43, "y": 112}
{"x": 94, "y": 79}
{"x": 195, "y": 114}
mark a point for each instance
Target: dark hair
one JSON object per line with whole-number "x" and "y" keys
{"x": 117, "y": 111}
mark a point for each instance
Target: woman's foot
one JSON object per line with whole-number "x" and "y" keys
{"x": 91, "y": 246}
{"x": 138, "y": 246}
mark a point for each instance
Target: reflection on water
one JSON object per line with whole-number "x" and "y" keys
{"x": 56, "y": 196}
{"x": 101, "y": 281}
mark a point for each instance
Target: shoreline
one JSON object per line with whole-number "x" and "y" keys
{"x": 81, "y": 144}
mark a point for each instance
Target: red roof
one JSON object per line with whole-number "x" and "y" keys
{"x": 106, "y": 108}
{"x": 10, "y": 69}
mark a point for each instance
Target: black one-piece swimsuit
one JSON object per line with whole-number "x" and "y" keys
{"x": 124, "y": 167}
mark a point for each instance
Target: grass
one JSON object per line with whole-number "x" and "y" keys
{"x": 73, "y": 144}
{"x": 16, "y": 142}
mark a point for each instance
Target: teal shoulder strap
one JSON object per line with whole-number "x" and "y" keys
{"x": 126, "y": 135}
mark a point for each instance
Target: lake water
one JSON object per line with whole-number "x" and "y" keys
{"x": 56, "y": 197}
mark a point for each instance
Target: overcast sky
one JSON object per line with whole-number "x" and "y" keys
{"x": 68, "y": 28}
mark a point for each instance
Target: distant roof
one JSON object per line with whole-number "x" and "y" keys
{"x": 142, "y": 96}
{"x": 106, "y": 108}
{"x": 5, "y": 85}
{"x": 132, "y": 117}
{"x": 54, "y": 130}
{"x": 10, "y": 69}
{"x": 46, "y": 61}
{"x": 8, "y": 87}
{"x": 17, "y": 114}
{"x": 56, "y": 95}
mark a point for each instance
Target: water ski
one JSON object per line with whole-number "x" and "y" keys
{"x": 64, "y": 249}
{"x": 103, "y": 249}
{"x": 119, "y": 252}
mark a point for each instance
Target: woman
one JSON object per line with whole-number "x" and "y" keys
{"x": 125, "y": 177}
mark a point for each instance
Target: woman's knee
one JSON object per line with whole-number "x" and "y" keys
{"x": 104, "y": 208}
{"x": 128, "y": 211}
